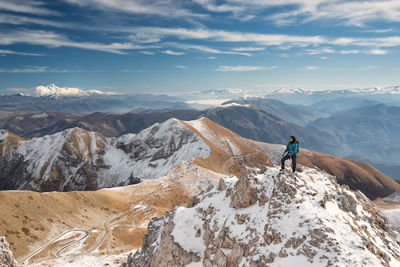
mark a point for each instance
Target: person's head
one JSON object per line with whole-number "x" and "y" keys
{"x": 292, "y": 139}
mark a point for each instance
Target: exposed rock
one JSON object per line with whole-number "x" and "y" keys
{"x": 6, "y": 256}
{"x": 245, "y": 193}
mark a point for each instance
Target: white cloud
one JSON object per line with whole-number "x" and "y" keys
{"x": 165, "y": 8}
{"x": 282, "y": 41}
{"x": 204, "y": 48}
{"x": 312, "y": 67}
{"x": 249, "y": 49}
{"x": 319, "y": 51}
{"x": 35, "y": 69}
{"x": 348, "y": 52}
{"x": 180, "y": 67}
{"x": 376, "y": 52}
{"x": 26, "y": 6}
{"x": 173, "y": 53}
{"x": 379, "y": 30}
{"x": 146, "y": 52}
{"x": 234, "y": 36}
{"x": 10, "y": 52}
{"x": 51, "y": 39}
{"x": 240, "y": 68}
{"x": 211, "y": 57}
{"x": 23, "y": 20}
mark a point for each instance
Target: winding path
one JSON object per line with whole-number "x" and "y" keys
{"x": 85, "y": 233}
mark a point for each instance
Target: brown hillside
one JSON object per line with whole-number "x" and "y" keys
{"x": 29, "y": 219}
{"x": 228, "y": 153}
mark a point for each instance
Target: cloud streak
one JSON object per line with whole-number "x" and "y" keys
{"x": 26, "y": 6}
{"x": 35, "y": 69}
{"x": 241, "y": 68}
{"x": 52, "y": 39}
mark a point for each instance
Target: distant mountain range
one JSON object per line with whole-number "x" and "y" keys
{"x": 65, "y": 99}
{"x": 389, "y": 95}
{"x": 298, "y": 114}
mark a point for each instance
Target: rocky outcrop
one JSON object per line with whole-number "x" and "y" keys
{"x": 272, "y": 219}
{"x": 6, "y": 256}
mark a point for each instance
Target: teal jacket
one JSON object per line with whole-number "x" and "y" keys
{"x": 293, "y": 149}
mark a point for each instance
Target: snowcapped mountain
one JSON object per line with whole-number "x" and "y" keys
{"x": 372, "y": 90}
{"x": 285, "y": 91}
{"x": 76, "y": 159}
{"x": 387, "y": 95}
{"x": 272, "y": 219}
{"x": 54, "y": 91}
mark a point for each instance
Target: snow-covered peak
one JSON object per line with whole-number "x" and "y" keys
{"x": 251, "y": 97}
{"x": 272, "y": 219}
{"x": 55, "y": 91}
{"x": 233, "y": 105}
{"x": 76, "y": 159}
{"x": 285, "y": 91}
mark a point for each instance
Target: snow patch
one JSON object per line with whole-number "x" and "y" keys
{"x": 3, "y": 135}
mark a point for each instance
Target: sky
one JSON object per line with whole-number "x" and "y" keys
{"x": 178, "y": 46}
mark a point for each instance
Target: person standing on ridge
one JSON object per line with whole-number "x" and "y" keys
{"x": 292, "y": 149}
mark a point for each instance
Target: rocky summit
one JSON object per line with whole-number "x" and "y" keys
{"x": 267, "y": 218}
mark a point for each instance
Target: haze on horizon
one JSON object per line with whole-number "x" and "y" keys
{"x": 179, "y": 46}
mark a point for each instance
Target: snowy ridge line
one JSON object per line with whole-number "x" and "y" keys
{"x": 83, "y": 160}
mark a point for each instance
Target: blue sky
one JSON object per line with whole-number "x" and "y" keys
{"x": 177, "y": 46}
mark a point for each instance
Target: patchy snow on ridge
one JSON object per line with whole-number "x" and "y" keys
{"x": 272, "y": 219}
{"x": 76, "y": 159}
{"x": 161, "y": 147}
{"x": 233, "y": 105}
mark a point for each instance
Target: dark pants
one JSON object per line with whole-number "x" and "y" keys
{"x": 288, "y": 156}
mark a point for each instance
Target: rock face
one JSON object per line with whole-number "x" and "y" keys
{"x": 272, "y": 219}
{"x": 6, "y": 256}
{"x": 76, "y": 159}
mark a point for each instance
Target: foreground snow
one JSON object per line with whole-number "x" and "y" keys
{"x": 272, "y": 218}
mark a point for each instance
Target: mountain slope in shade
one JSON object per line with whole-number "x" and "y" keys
{"x": 28, "y": 124}
{"x": 300, "y": 115}
{"x": 272, "y": 219}
{"x": 76, "y": 159}
{"x": 257, "y": 124}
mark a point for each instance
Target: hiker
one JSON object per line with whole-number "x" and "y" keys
{"x": 292, "y": 149}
